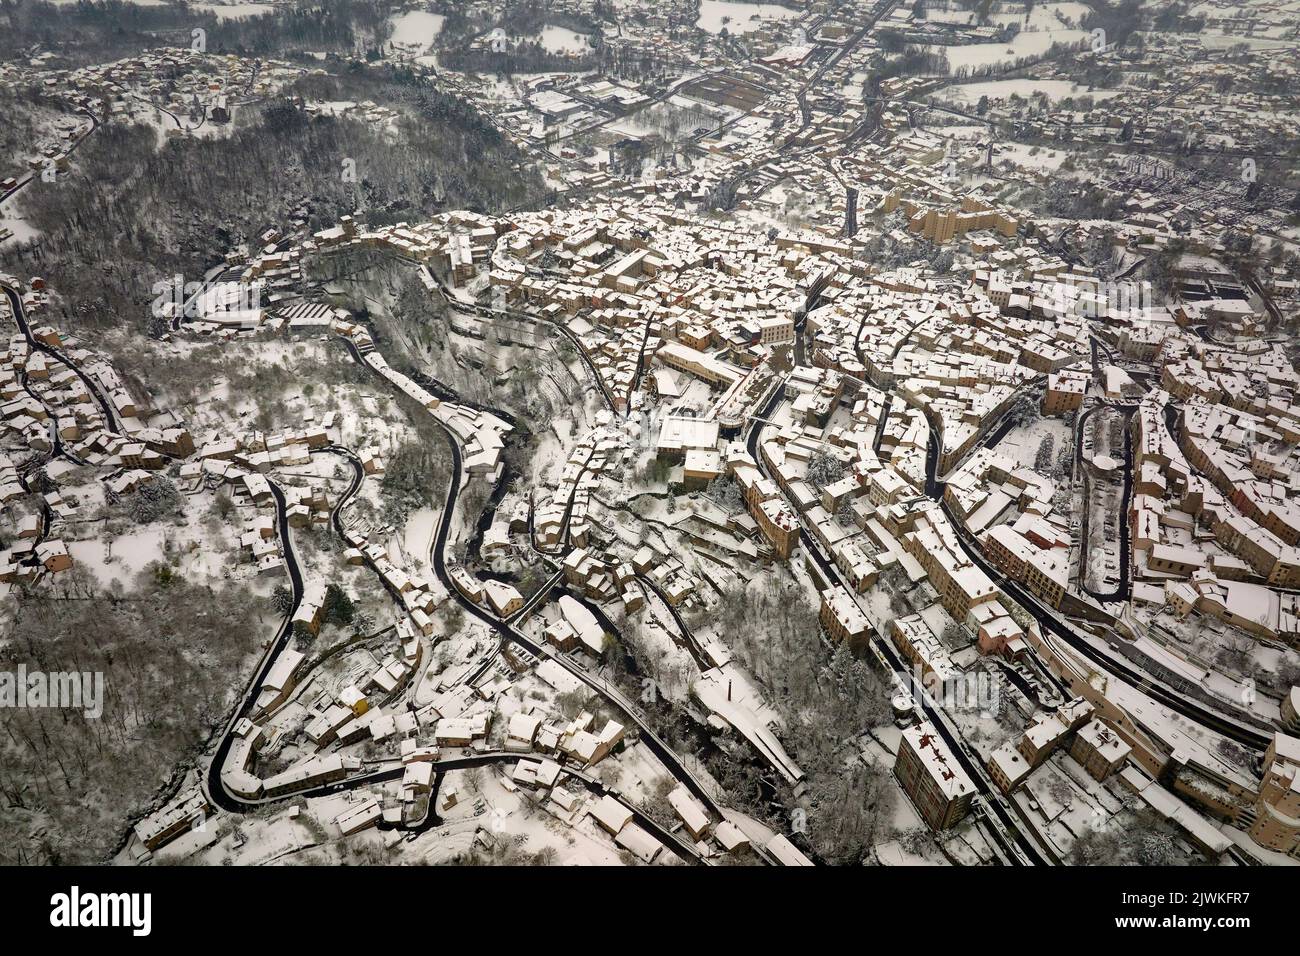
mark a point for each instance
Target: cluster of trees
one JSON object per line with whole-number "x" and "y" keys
{"x": 635, "y": 63}
{"x": 424, "y": 318}
{"x": 101, "y": 30}
{"x": 528, "y": 17}
{"x": 531, "y": 391}
{"x": 92, "y": 30}
{"x": 281, "y": 599}
{"x": 155, "y": 499}
{"x": 655, "y": 471}
{"x": 846, "y": 800}
{"x": 1178, "y": 18}
{"x": 25, "y": 113}
{"x": 1148, "y": 843}
{"x": 887, "y": 252}
{"x": 524, "y": 56}
{"x": 722, "y": 196}
{"x": 517, "y": 19}
{"x": 1119, "y": 20}
{"x": 415, "y": 327}
{"x": 1239, "y": 252}
{"x": 670, "y": 120}
{"x": 828, "y": 699}
{"x": 1161, "y": 267}
{"x": 824, "y": 469}
{"x": 339, "y": 609}
{"x": 1068, "y": 199}
{"x": 672, "y": 673}
{"x": 1043, "y": 457}
{"x": 171, "y": 654}
{"x": 1099, "y": 252}
{"x": 912, "y": 60}
{"x": 725, "y": 493}
{"x": 129, "y": 213}
{"x": 507, "y": 850}
{"x": 344, "y": 26}
{"x": 459, "y": 25}
{"x": 415, "y": 477}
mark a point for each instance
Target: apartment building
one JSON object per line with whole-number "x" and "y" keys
{"x": 842, "y": 618}
{"x": 779, "y": 526}
{"x": 1045, "y": 571}
{"x": 1099, "y": 750}
{"x": 1065, "y": 391}
{"x": 1277, "y": 811}
{"x": 931, "y": 777}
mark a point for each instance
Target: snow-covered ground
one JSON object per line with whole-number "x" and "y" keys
{"x": 19, "y": 227}
{"x": 416, "y": 28}
{"x": 562, "y": 40}
{"x": 739, "y": 17}
{"x": 1029, "y": 157}
{"x": 974, "y": 55}
{"x": 970, "y": 93}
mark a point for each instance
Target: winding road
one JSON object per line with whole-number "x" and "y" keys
{"x": 505, "y": 631}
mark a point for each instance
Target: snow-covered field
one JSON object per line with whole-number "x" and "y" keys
{"x": 970, "y": 93}
{"x": 1047, "y": 24}
{"x": 416, "y": 28}
{"x": 974, "y": 55}
{"x": 562, "y": 40}
{"x": 1029, "y": 157}
{"x": 739, "y": 17}
{"x": 22, "y": 231}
